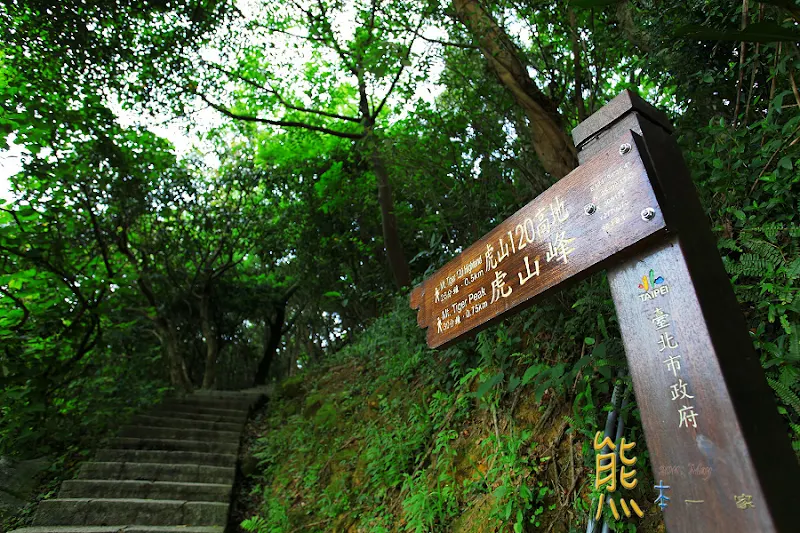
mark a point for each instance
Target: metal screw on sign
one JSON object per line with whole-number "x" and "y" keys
{"x": 589, "y": 209}
{"x": 648, "y": 213}
{"x": 624, "y": 149}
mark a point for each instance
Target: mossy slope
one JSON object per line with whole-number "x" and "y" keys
{"x": 493, "y": 435}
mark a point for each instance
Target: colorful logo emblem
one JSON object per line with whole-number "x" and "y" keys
{"x": 647, "y": 284}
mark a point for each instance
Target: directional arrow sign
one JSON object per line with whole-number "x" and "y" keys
{"x": 600, "y": 211}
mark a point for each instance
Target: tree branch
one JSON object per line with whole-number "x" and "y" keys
{"x": 62, "y": 276}
{"x": 97, "y": 233}
{"x": 282, "y": 123}
{"x": 296, "y": 36}
{"x": 282, "y": 100}
{"x": 403, "y": 61}
{"x": 292, "y": 320}
{"x": 290, "y": 292}
{"x": 327, "y": 24}
{"x": 465, "y": 46}
{"x": 19, "y": 303}
{"x": 14, "y": 215}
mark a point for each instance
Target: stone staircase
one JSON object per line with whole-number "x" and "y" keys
{"x": 169, "y": 471}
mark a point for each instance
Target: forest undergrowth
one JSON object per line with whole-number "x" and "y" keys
{"x": 494, "y": 434}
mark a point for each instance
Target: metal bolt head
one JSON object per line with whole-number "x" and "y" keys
{"x": 589, "y": 209}
{"x": 624, "y": 149}
{"x": 648, "y": 213}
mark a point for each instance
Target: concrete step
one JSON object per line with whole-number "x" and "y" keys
{"x": 151, "y": 490}
{"x": 149, "y": 432}
{"x": 169, "y": 457}
{"x": 213, "y": 406}
{"x": 256, "y": 393}
{"x": 103, "y": 512}
{"x": 183, "y": 415}
{"x": 261, "y": 390}
{"x": 157, "y": 472}
{"x": 233, "y": 415}
{"x": 238, "y": 404}
{"x": 172, "y": 422}
{"x": 130, "y": 443}
{"x": 121, "y": 529}
{"x": 170, "y": 471}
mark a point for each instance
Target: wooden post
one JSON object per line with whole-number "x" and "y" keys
{"x": 709, "y": 417}
{"x": 710, "y": 420}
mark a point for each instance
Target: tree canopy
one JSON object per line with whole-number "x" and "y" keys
{"x": 361, "y": 144}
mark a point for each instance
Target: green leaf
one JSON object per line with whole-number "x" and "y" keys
{"x": 589, "y": 341}
{"x": 530, "y": 373}
{"x": 789, "y": 5}
{"x": 592, "y": 3}
{"x": 758, "y": 32}
{"x": 488, "y": 384}
{"x": 599, "y": 351}
{"x": 581, "y": 363}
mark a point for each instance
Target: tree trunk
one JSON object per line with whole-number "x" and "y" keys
{"x": 179, "y": 377}
{"x": 212, "y": 346}
{"x": 273, "y": 332}
{"x": 293, "y": 356}
{"x": 551, "y": 143}
{"x": 576, "y": 64}
{"x": 391, "y": 237}
{"x": 312, "y": 346}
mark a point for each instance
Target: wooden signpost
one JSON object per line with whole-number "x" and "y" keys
{"x": 710, "y": 420}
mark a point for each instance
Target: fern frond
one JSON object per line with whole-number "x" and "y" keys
{"x": 747, "y": 293}
{"x": 790, "y": 377}
{"x": 793, "y": 269}
{"x": 255, "y": 524}
{"x": 767, "y": 251}
{"x": 792, "y": 352}
{"x": 785, "y": 394}
{"x": 754, "y": 265}
{"x": 728, "y": 244}
{"x": 771, "y": 231}
{"x": 731, "y": 267}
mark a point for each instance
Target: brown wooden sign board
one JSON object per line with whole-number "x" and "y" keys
{"x": 589, "y": 216}
{"x": 709, "y": 418}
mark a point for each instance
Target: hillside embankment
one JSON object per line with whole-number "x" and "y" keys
{"x": 492, "y": 435}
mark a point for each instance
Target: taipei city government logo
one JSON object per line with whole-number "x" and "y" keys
{"x": 652, "y": 286}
